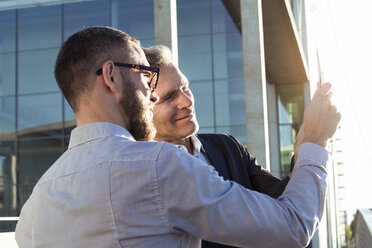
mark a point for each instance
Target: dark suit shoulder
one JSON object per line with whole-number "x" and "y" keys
{"x": 219, "y": 138}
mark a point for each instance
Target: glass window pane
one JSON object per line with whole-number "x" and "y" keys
{"x": 24, "y": 192}
{"x": 39, "y": 27}
{"x": 283, "y": 114}
{"x": 95, "y": 13}
{"x": 203, "y": 102}
{"x": 70, "y": 121}
{"x": 36, "y": 71}
{"x": 147, "y": 43}
{"x": 7, "y": 31}
{"x": 35, "y": 157}
{"x": 67, "y": 141}
{"x": 7, "y": 226}
{"x": 221, "y": 20}
{"x": 239, "y": 132}
{"x": 134, "y": 17}
{"x": 290, "y": 103}
{"x": 8, "y": 179}
{"x": 206, "y": 130}
{"x": 7, "y": 117}
{"x": 193, "y": 17}
{"x": 228, "y": 56}
{"x": 195, "y": 57}
{"x": 69, "y": 113}
{"x": 287, "y": 136}
{"x": 230, "y": 102}
{"x": 7, "y": 74}
{"x": 40, "y": 115}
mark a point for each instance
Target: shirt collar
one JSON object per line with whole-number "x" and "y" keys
{"x": 196, "y": 144}
{"x": 95, "y": 130}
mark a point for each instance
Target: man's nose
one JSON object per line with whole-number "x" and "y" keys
{"x": 185, "y": 101}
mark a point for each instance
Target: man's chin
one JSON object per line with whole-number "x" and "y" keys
{"x": 192, "y": 128}
{"x": 188, "y": 131}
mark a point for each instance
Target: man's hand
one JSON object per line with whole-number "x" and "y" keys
{"x": 321, "y": 118}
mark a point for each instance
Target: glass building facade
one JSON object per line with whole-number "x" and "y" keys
{"x": 210, "y": 55}
{"x": 290, "y": 112}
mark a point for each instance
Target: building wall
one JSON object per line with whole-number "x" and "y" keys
{"x": 210, "y": 55}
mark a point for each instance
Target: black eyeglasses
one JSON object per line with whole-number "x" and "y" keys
{"x": 148, "y": 71}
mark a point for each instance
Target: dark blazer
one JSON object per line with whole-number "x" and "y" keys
{"x": 233, "y": 162}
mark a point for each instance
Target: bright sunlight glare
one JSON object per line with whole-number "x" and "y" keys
{"x": 341, "y": 29}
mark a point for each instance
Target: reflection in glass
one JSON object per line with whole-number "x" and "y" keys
{"x": 228, "y": 56}
{"x": 221, "y": 20}
{"x": 290, "y": 112}
{"x": 69, "y": 114}
{"x": 40, "y": 115}
{"x": 35, "y": 157}
{"x": 239, "y": 132}
{"x": 39, "y": 27}
{"x": 134, "y": 17}
{"x": 95, "y": 13}
{"x": 206, "y": 130}
{"x": 35, "y": 71}
{"x": 193, "y": 17}
{"x": 230, "y": 102}
{"x": 203, "y": 95}
{"x": 147, "y": 43}
{"x": 7, "y": 31}
{"x": 8, "y": 180}
{"x": 7, "y": 197}
{"x": 69, "y": 121}
{"x": 195, "y": 57}
{"x": 287, "y": 137}
{"x": 7, "y": 74}
{"x": 67, "y": 141}
{"x": 7, "y": 117}
{"x": 290, "y": 103}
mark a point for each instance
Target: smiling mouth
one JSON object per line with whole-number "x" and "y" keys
{"x": 189, "y": 116}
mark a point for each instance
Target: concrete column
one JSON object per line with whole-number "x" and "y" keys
{"x": 272, "y": 108}
{"x": 165, "y": 21}
{"x": 255, "y": 81}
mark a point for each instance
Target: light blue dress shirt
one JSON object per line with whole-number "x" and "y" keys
{"x": 107, "y": 190}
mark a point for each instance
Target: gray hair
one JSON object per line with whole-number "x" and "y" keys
{"x": 158, "y": 56}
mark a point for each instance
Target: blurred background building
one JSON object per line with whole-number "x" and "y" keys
{"x": 251, "y": 64}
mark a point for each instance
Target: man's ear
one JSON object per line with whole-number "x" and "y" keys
{"x": 108, "y": 75}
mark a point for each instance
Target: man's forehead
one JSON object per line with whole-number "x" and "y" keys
{"x": 181, "y": 79}
{"x": 174, "y": 80}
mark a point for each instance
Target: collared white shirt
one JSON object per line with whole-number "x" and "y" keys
{"x": 108, "y": 190}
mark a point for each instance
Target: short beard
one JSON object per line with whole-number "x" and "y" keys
{"x": 134, "y": 108}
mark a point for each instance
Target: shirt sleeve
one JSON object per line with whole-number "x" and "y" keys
{"x": 198, "y": 201}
